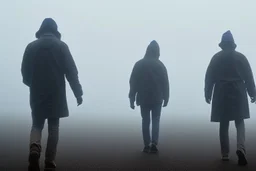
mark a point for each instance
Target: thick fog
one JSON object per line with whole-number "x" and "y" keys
{"x": 106, "y": 38}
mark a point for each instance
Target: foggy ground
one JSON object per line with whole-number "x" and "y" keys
{"x": 88, "y": 144}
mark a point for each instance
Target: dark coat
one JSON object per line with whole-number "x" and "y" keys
{"x": 45, "y": 64}
{"x": 149, "y": 82}
{"x": 229, "y": 74}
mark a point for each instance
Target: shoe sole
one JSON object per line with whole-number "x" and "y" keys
{"x": 49, "y": 169}
{"x": 225, "y": 160}
{"x": 153, "y": 152}
{"x": 242, "y": 161}
{"x": 145, "y": 151}
{"x": 33, "y": 168}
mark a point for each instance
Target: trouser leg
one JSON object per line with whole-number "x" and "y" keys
{"x": 36, "y": 130}
{"x": 145, "y": 114}
{"x": 156, "y": 113}
{"x": 224, "y": 137}
{"x": 53, "y": 138}
{"x": 240, "y": 127}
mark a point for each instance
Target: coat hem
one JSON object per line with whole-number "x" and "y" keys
{"x": 230, "y": 119}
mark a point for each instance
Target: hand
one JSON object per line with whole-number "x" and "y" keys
{"x": 79, "y": 101}
{"x": 253, "y": 99}
{"x": 208, "y": 100}
{"x": 132, "y": 100}
{"x": 165, "y": 103}
{"x": 132, "y": 106}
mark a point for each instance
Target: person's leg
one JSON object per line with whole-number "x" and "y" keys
{"x": 52, "y": 142}
{"x": 145, "y": 114}
{"x": 36, "y": 131}
{"x": 240, "y": 127}
{"x": 241, "y": 152}
{"x": 224, "y": 139}
{"x": 35, "y": 142}
{"x": 156, "y": 113}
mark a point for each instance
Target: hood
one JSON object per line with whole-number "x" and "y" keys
{"x": 153, "y": 50}
{"x": 227, "y": 41}
{"x": 48, "y": 26}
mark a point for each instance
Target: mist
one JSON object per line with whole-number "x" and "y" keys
{"x": 106, "y": 38}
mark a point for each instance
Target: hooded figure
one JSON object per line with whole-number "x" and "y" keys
{"x": 149, "y": 87}
{"x": 46, "y": 62}
{"x": 230, "y": 75}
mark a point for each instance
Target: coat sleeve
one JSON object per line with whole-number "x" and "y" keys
{"x": 166, "y": 85}
{"x": 25, "y": 67}
{"x": 209, "y": 80}
{"x": 248, "y": 76}
{"x": 133, "y": 83}
{"x": 71, "y": 72}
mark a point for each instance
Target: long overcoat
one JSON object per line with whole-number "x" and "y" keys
{"x": 46, "y": 62}
{"x": 229, "y": 78}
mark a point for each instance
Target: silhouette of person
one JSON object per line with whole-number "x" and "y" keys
{"x": 46, "y": 62}
{"x": 149, "y": 87}
{"x": 230, "y": 75}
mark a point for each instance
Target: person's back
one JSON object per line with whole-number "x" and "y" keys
{"x": 150, "y": 81}
{"x": 232, "y": 66}
{"x": 226, "y": 63}
{"x": 46, "y": 63}
{"x": 149, "y": 86}
{"x": 229, "y": 75}
{"x": 48, "y": 71}
{"x": 47, "y": 83}
{"x": 150, "y": 78}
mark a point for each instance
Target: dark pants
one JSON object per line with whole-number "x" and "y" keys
{"x": 155, "y": 110}
{"x": 53, "y": 135}
{"x": 224, "y": 136}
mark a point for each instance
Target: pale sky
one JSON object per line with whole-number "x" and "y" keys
{"x": 106, "y": 38}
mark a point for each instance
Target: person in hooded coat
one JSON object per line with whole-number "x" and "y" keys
{"x": 230, "y": 76}
{"x": 46, "y": 62}
{"x": 149, "y": 86}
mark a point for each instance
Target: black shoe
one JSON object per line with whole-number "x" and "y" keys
{"x": 50, "y": 166}
{"x": 242, "y": 161}
{"x": 153, "y": 149}
{"x": 34, "y": 157}
{"x": 225, "y": 158}
{"x": 34, "y": 167}
{"x": 146, "y": 149}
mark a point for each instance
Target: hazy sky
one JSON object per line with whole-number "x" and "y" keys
{"x": 106, "y": 38}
